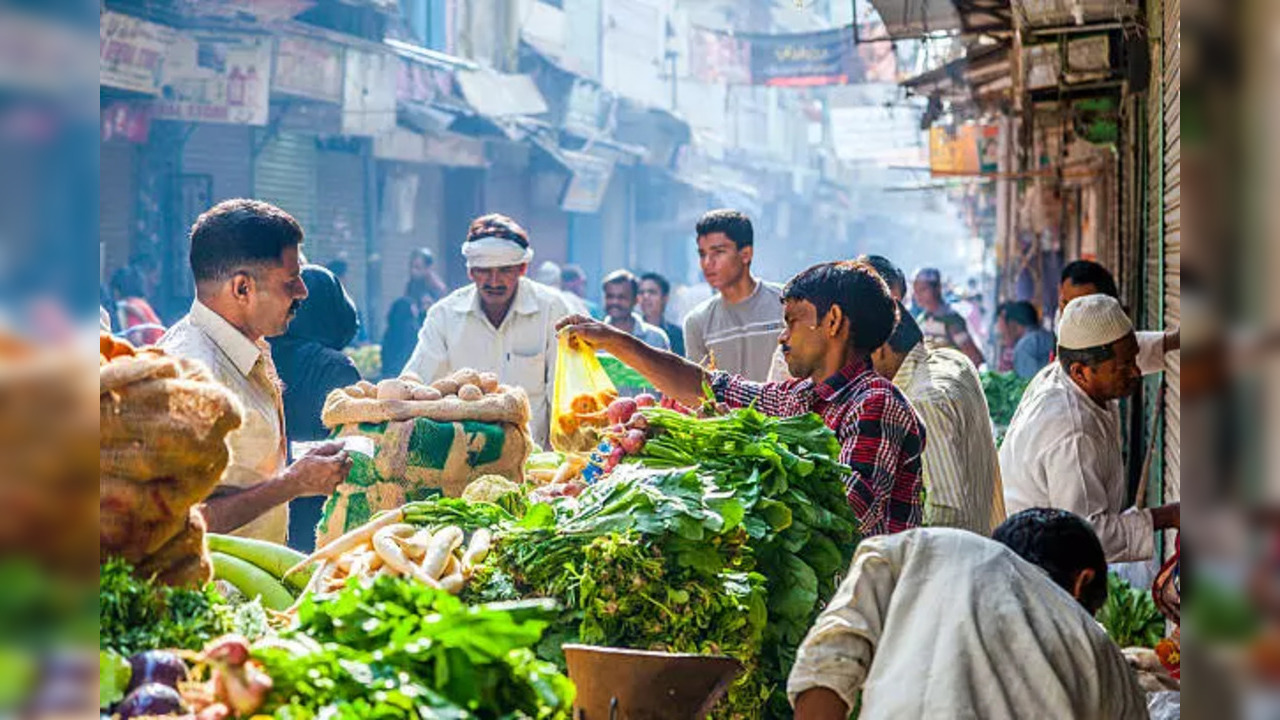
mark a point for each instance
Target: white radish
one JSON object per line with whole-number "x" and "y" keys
{"x": 481, "y": 542}
{"x": 415, "y": 547}
{"x": 386, "y": 545}
{"x": 452, "y": 584}
{"x": 443, "y": 543}
{"x": 351, "y": 539}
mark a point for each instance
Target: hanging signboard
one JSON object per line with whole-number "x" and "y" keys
{"x": 308, "y": 68}
{"x": 585, "y": 190}
{"x": 820, "y": 58}
{"x": 719, "y": 58}
{"x": 369, "y": 92}
{"x": 216, "y": 78}
{"x": 125, "y": 120}
{"x": 969, "y": 150}
{"x": 131, "y": 53}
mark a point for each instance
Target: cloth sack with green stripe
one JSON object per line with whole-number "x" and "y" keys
{"x": 419, "y": 459}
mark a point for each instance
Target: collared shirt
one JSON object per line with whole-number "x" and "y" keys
{"x": 1062, "y": 450}
{"x": 650, "y": 335}
{"x": 961, "y": 471}
{"x": 521, "y": 350}
{"x": 941, "y": 623}
{"x": 881, "y": 438}
{"x": 258, "y": 451}
{"x": 739, "y": 336}
{"x": 1032, "y": 352}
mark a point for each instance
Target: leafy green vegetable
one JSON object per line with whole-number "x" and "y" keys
{"x": 1130, "y": 615}
{"x": 114, "y": 672}
{"x": 456, "y": 511}
{"x": 1216, "y": 613}
{"x": 396, "y": 648}
{"x": 1004, "y": 392}
{"x": 136, "y": 614}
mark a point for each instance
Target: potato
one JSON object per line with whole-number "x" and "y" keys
{"x": 368, "y": 389}
{"x": 467, "y": 376}
{"x": 394, "y": 389}
{"x": 446, "y": 386}
{"x": 470, "y": 393}
{"x": 426, "y": 393}
{"x": 411, "y": 376}
{"x": 489, "y": 382}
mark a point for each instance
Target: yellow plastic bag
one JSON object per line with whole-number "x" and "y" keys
{"x": 582, "y": 392}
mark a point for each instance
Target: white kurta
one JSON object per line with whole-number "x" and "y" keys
{"x": 1062, "y": 450}
{"x": 943, "y": 623}
{"x": 522, "y": 350}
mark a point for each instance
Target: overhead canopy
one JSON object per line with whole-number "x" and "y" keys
{"x": 917, "y": 18}
{"x": 983, "y": 71}
{"x": 499, "y": 95}
{"x": 1059, "y": 13}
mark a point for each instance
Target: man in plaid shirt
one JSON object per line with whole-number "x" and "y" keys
{"x": 836, "y": 314}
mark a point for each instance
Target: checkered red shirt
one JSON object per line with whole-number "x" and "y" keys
{"x": 881, "y": 437}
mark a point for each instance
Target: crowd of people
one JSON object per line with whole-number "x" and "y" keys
{"x": 954, "y": 529}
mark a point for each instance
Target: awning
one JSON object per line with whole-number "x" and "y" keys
{"x": 917, "y": 18}
{"x": 981, "y": 72}
{"x": 1059, "y": 13}
{"x": 656, "y": 129}
{"x": 499, "y": 95}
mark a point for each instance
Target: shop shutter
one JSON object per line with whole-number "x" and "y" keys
{"x": 340, "y": 225}
{"x": 285, "y": 174}
{"x": 116, "y": 196}
{"x": 224, "y": 153}
{"x": 1172, "y": 215}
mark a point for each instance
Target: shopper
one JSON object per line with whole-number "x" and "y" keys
{"x": 1063, "y": 447}
{"x": 737, "y": 329}
{"x": 244, "y": 257}
{"x": 133, "y": 314}
{"x": 502, "y": 323}
{"x": 941, "y": 623}
{"x": 655, "y": 293}
{"x": 573, "y": 283}
{"x": 836, "y": 315}
{"x": 405, "y": 317}
{"x": 620, "y": 290}
{"x": 942, "y": 326}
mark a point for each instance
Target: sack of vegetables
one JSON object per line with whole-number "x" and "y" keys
{"x": 420, "y": 456}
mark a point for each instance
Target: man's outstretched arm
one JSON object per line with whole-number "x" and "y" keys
{"x": 674, "y": 376}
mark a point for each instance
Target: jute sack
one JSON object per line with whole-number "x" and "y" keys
{"x": 511, "y": 406}
{"x": 162, "y": 449}
{"x": 418, "y": 459}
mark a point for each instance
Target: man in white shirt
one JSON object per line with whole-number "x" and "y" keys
{"x": 942, "y": 623}
{"x": 503, "y": 323}
{"x": 1086, "y": 277}
{"x": 1063, "y": 445}
{"x": 961, "y": 474}
{"x": 244, "y": 257}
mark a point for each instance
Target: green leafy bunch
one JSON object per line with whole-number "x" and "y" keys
{"x": 395, "y": 648}
{"x": 136, "y": 614}
{"x": 1004, "y": 392}
{"x": 1130, "y": 615}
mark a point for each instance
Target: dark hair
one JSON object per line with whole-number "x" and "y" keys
{"x": 338, "y": 267}
{"x": 499, "y": 226}
{"x": 1020, "y": 312}
{"x": 1088, "y": 272}
{"x": 662, "y": 283}
{"x": 623, "y": 276}
{"x": 890, "y": 272}
{"x": 1090, "y": 357}
{"x": 570, "y": 273}
{"x": 127, "y": 282}
{"x": 236, "y": 234}
{"x": 1061, "y": 544}
{"x": 427, "y": 257}
{"x": 859, "y": 291}
{"x": 735, "y": 226}
{"x": 906, "y": 334}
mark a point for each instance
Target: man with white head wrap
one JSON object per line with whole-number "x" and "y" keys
{"x": 1063, "y": 445}
{"x": 503, "y": 323}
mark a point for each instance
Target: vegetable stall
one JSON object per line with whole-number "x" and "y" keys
{"x": 667, "y": 530}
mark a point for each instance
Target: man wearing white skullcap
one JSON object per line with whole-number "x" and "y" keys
{"x": 1063, "y": 445}
{"x": 503, "y": 323}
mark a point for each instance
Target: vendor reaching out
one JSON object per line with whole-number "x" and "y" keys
{"x": 836, "y": 314}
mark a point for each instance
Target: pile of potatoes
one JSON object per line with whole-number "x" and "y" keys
{"x": 465, "y": 384}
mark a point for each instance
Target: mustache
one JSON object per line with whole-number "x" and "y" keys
{"x": 493, "y": 288}
{"x": 293, "y": 307}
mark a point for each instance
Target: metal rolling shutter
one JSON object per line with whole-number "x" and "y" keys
{"x": 340, "y": 225}
{"x": 222, "y": 152}
{"x": 117, "y": 191}
{"x": 284, "y": 175}
{"x": 1171, "y": 200}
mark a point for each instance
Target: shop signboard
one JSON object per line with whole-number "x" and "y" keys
{"x": 216, "y": 78}
{"x": 968, "y": 150}
{"x": 131, "y": 53}
{"x": 308, "y": 68}
{"x": 829, "y": 57}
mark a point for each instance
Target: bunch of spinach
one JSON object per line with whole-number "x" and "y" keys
{"x": 1004, "y": 392}
{"x": 1130, "y": 615}
{"x": 136, "y": 614}
{"x": 397, "y": 649}
{"x": 784, "y": 473}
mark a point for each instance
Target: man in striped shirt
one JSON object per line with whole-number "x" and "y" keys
{"x": 961, "y": 469}
{"x": 836, "y": 314}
